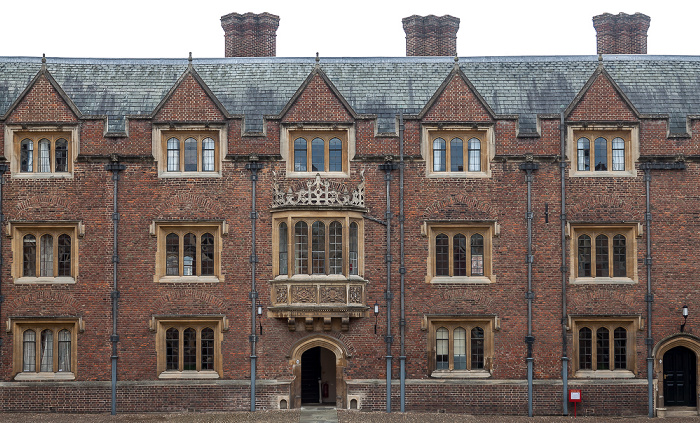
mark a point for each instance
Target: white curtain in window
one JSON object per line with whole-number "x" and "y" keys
{"x": 29, "y": 351}
{"x": 46, "y": 351}
{"x": 44, "y": 156}
{"x": 47, "y": 255}
{"x": 64, "y": 351}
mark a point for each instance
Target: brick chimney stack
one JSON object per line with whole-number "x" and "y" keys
{"x": 250, "y": 34}
{"x": 431, "y": 35}
{"x": 621, "y": 33}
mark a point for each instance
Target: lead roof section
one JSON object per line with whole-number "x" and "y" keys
{"x": 258, "y": 87}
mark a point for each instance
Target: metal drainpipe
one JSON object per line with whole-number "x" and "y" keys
{"x": 388, "y": 167}
{"x": 564, "y": 352}
{"x": 649, "y": 297}
{"x": 3, "y": 169}
{"x": 402, "y": 270}
{"x": 254, "y": 166}
{"x": 529, "y": 167}
{"x": 115, "y": 167}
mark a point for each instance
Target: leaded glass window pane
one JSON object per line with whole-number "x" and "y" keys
{"x": 584, "y": 256}
{"x": 61, "y": 155}
{"x": 29, "y": 351}
{"x": 459, "y": 255}
{"x": 475, "y": 155}
{"x": 442, "y": 346}
{"x": 620, "y": 339}
{"x": 601, "y": 154}
{"x": 477, "y": 348}
{"x": 207, "y": 349}
{"x": 619, "y": 256}
{"x": 442, "y": 255}
{"x": 460, "y": 349}
{"x": 584, "y": 154}
{"x": 477, "y": 250}
{"x": 189, "y": 258}
{"x": 207, "y": 255}
{"x": 456, "y": 155}
{"x": 439, "y": 155}
{"x": 618, "y": 154}
{"x": 301, "y": 245}
{"x": 585, "y": 349}
{"x": 172, "y": 255}
{"x": 172, "y": 348}
{"x": 335, "y": 155}
{"x": 47, "y": 255}
{"x": 44, "y": 155}
{"x": 64, "y": 351}
{"x": 284, "y": 255}
{"x": 353, "y": 262}
{"x": 29, "y": 256}
{"x": 318, "y": 155}
{"x": 300, "y": 155}
{"x": 190, "y": 155}
{"x": 335, "y": 255}
{"x": 189, "y": 349}
{"x": 208, "y": 155}
{"x": 46, "y": 351}
{"x": 318, "y": 248}
{"x": 601, "y": 257}
{"x": 64, "y": 258}
{"x": 26, "y": 160}
{"x": 603, "y": 349}
{"x": 173, "y": 155}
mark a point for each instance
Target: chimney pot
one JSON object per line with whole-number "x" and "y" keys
{"x": 431, "y": 35}
{"x": 250, "y": 34}
{"x": 621, "y": 33}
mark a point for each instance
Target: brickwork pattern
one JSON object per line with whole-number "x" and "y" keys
{"x": 621, "y": 33}
{"x": 250, "y": 34}
{"x": 431, "y": 35}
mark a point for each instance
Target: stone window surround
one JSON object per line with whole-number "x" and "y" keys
{"x": 17, "y": 325}
{"x": 628, "y": 132}
{"x": 632, "y": 323}
{"x": 16, "y": 231}
{"x": 484, "y": 132}
{"x": 162, "y": 132}
{"x": 160, "y": 229}
{"x": 14, "y": 134}
{"x": 288, "y": 133}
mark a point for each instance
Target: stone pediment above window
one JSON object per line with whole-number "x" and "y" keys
{"x": 319, "y": 193}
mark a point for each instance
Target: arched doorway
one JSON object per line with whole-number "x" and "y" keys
{"x": 318, "y": 376}
{"x": 676, "y": 370}
{"x": 318, "y": 364}
{"x": 679, "y": 372}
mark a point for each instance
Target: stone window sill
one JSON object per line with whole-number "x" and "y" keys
{"x": 189, "y": 279}
{"x": 47, "y": 376}
{"x": 460, "y": 280}
{"x": 189, "y": 374}
{"x": 44, "y": 280}
{"x": 604, "y": 374}
{"x": 600, "y": 281}
{"x": 460, "y": 374}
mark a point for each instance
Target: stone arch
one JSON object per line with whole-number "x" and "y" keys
{"x": 689, "y": 341}
{"x": 334, "y": 345}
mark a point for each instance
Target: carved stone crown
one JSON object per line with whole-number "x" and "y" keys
{"x": 319, "y": 193}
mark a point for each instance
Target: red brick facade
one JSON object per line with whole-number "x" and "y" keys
{"x": 224, "y": 199}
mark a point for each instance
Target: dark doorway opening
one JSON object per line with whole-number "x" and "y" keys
{"x": 318, "y": 376}
{"x": 679, "y": 378}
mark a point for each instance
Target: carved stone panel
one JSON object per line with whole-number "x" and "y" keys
{"x": 303, "y": 294}
{"x": 355, "y": 294}
{"x": 332, "y": 294}
{"x": 281, "y": 296}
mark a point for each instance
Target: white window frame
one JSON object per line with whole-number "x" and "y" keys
{"x": 161, "y": 134}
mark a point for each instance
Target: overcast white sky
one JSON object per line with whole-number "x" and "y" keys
{"x": 366, "y": 28}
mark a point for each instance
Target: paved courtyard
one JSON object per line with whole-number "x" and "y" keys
{"x": 314, "y": 416}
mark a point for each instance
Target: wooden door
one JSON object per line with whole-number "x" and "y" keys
{"x": 679, "y": 378}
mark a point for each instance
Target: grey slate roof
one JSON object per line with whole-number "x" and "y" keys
{"x": 255, "y": 87}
